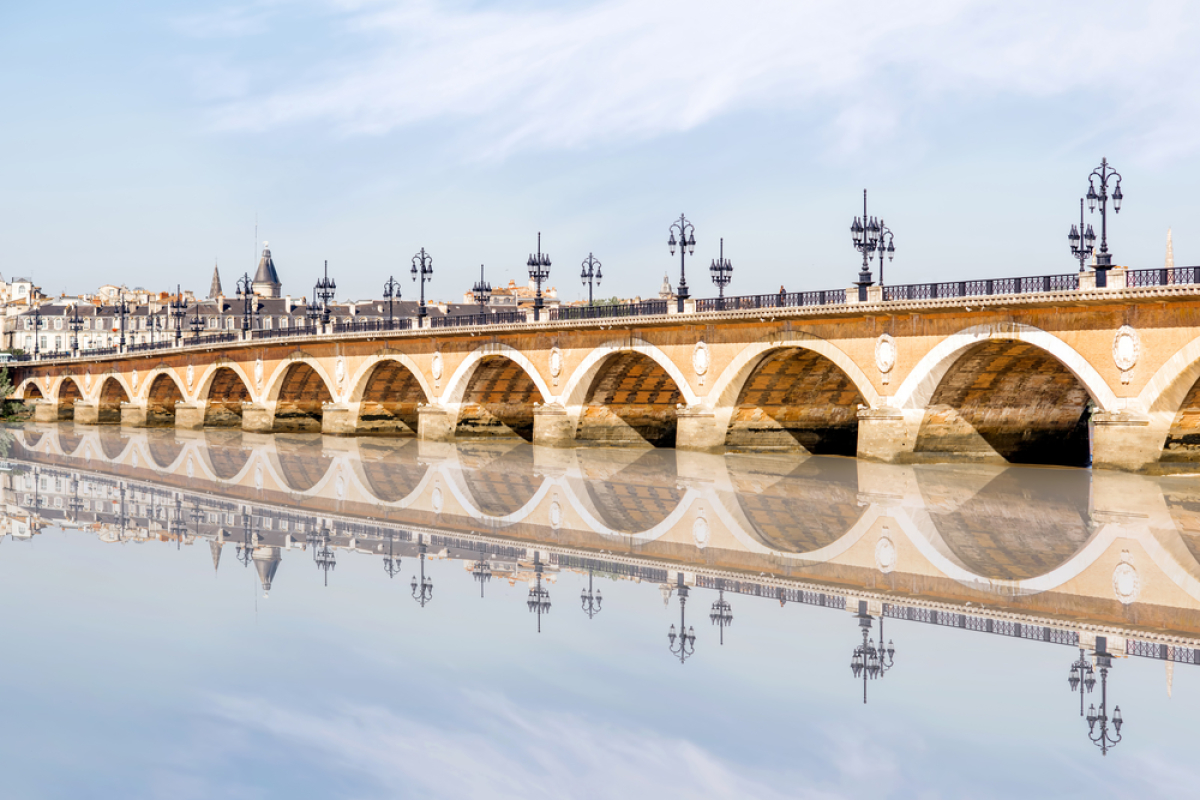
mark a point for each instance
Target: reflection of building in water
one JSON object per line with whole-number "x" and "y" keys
{"x": 1057, "y": 556}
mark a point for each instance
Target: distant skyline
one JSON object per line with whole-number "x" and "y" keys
{"x": 142, "y": 140}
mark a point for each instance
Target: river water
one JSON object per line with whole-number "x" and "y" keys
{"x": 218, "y": 614}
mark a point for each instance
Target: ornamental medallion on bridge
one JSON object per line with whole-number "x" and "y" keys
{"x": 258, "y": 374}
{"x": 556, "y": 363}
{"x": 555, "y": 515}
{"x": 339, "y": 372}
{"x": 436, "y": 367}
{"x": 700, "y": 360}
{"x": 87, "y": 380}
{"x": 1127, "y": 585}
{"x": 191, "y": 376}
{"x": 700, "y": 532}
{"x": 1126, "y": 349}
{"x": 134, "y": 379}
{"x": 885, "y": 356}
{"x": 885, "y": 553}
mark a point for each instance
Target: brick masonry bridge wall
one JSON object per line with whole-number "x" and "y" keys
{"x": 1106, "y": 376}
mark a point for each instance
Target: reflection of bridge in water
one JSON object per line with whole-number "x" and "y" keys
{"x": 1061, "y": 556}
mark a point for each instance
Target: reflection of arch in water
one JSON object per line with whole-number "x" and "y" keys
{"x": 113, "y": 443}
{"x": 68, "y": 440}
{"x": 635, "y": 496}
{"x": 224, "y": 455}
{"x": 390, "y": 473}
{"x": 165, "y": 451}
{"x": 808, "y": 509}
{"x": 108, "y": 404}
{"x": 300, "y": 462}
{"x": 499, "y": 482}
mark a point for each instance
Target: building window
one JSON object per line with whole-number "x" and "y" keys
{"x": 28, "y": 323}
{"x": 266, "y": 323}
{"x": 229, "y": 323}
{"x": 28, "y": 342}
{"x": 58, "y": 343}
{"x": 58, "y": 324}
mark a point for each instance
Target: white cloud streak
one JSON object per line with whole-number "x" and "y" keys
{"x": 627, "y": 70}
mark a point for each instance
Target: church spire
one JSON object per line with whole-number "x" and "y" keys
{"x": 214, "y": 291}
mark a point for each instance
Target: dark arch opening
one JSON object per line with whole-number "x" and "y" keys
{"x": 226, "y": 394}
{"x": 68, "y": 393}
{"x": 498, "y": 401}
{"x": 112, "y": 394}
{"x": 160, "y": 402}
{"x": 300, "y": 398}
{"x": 1007, "y": 401}
{"x": 389, "y": 401}
{"x": 32, "y": 392}
{"x": 796, "y": 397}
{"x": 632, "y": 401}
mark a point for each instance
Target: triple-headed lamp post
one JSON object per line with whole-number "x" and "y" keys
{"x": 682, "y": 644}
{"x": 722, "y": 273}
{"x": 422, "y": 591}
{"x": 590, "y": 600}
{"x": 590, "y": 274}
{"x": 325, "y": 290}
{"x": 178, "y": 312}
{"x": 422, "y": 269}
{"x": 1100, "y": 178}
{"x": 687, "y": 246}
{"x": 391, "y": 292}
{"x": 722, "y": 613}
{"x": 245, "y": 290}
{"x": 482, "y": 292}
{"x": 539, "y": 598}
{"x": 1082, "y": 240}
{"x": 869, "y": 661}
{"x": 870, "y": 236}
{"x": 1082, "y": 677}
{"x": 539, "y": 271}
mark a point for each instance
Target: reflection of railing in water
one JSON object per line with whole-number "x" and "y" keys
{"x": 803, "y": 596}
{"x": 602, "y": 568}
{"x": 1003, "y": 627}
{"x": 1163, "y": 652}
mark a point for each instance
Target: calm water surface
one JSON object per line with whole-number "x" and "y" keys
{"x": 226, "y": 615}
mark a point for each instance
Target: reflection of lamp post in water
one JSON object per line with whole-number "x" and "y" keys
{"x": 1100, "y": 737}
{"x": 590, "y": 600}
{"x": 539, "y": 598}
{"x": 869, "y": 661}
{"x": 721, "y": 614}
{"x": 1082, "y": 677}
{"x": 481, "y": 571}
{"x": 325, "y": 557}
{"x": 422, "y": 592}
{"x": 245, "y": 550}
{"x": 682, "y": 644}
{"x": 391, "y": 564}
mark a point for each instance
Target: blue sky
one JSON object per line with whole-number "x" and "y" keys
{"x": 142, "y": 139}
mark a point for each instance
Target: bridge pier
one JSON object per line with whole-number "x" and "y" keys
{"x": 133, "y": 415}
{"x": 257, "y": 418}
{"x": 189, "y": 416}
{"x": 45, "y": 411}
{"x": 86, "y": 413}
{"x": 436, "y": 424}
{"x": 339, "y": 419}
{"x": 1125, "y": 441}
{"x": 885, "y": 434}
{"x": 697, "y": 429}
{"x": 553, "y": 426}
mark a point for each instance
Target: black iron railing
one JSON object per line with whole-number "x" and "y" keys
{"x": 487, "y": 318}
{"x": 645, "y": 308}
{"x": 281, "y": 333}
{"x": 1164, "y": 652}
{"x": 373, "y": 325}
{"x": 1162, "y": 277}
{"x": 134, "y": 348}
{"x": 982, "y": 288}
{"x": 777, "y": 300}
{"x": 212, "y": 338}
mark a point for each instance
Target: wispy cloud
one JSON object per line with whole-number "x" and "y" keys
{"x": 616, "y": 70}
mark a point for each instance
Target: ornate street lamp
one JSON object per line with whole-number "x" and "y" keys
{"x": 539, "y": 598}
{"x": 391, "y": 292}
{"x": 326, "y": 290}
{"x": 722, "y": 613}
{"x": 1082, "y": 240}
{"x": 539, "y": 270}
{"x": 178, "y": 311}
{"x": 590, "y": 600}
{"x": 687, "y": 246}
{"x": 391, "y": 563}
{"x": 869, "y": 661}
{"x": 121, "y": 309}
{"x": 722, "y": 273}
{"x": 177, "y": 522}
{"x": 868, "y": 237}
{"x": 1101, "y": 737}
{"x": 312, "y": 311}
{"x": 1082, "y": 677}
{"x": 245, "y": 290}
{"x": 75, "y": 323}
{"x": 197, "y": 323}
{"x": 37, "y": 327}
{"x": 422, "y": 592}
{"x": 886, "y": 247}
{"x": 422, "y": 267}
{"x": 1100, "y": 176}
{"x": 682, "y": 644}
{"x": 590, "y": 273}
{"x": 482, "y": 292}
{"x": 481, "y": 571}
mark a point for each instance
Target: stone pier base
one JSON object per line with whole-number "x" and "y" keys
{"x": 86, "y": 413}
{"x": 552, "y": 427}
{"x": 45, "y": 411}
{"x": 339, "y": 419}
{"x": 885, "y": 435}
{"x": 257, "y": 418}
{"x": 697, "y": 429}
{"x": 1124, "y": 441}
{"x": 189, "y": 416}
{"x": 436, "y": 424}
{"x": 133, "y": 415}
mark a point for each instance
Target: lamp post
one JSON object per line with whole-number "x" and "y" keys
{"x": 197, "y": 517}
{"x": 886, "y": 247}
{"x": 121, "y": 309}
{"x": 590, "y": 600}
{"x": 539, "y": 598}
{"x": 326, "y": 290}
{"x": 1100, "y": 176}
{"x": 589, "y": 273}
{"x": 422, "y": 268}
{"x": 869, "y": 661}
{"x": 75, "y": 323}
{"x": 312, "y": 311}
{"x": 682, "y": 644}
{"x": 481, "y": 571}
{"x": 687, "y": 246}
{"x": 422, "y": 592}
{"x": 1101, "y": 737}
{"x": 391, "y": 292}
{"x": 1082, "y": 240}
{"x": 391, "y": 564}
{"x": 1082, "y": 677}
{"x": 722, "y": 273}
{"x": 178, "y": 311}
{"x": 539, "y": 270}
{"x": 37, "y": 327}
{"x": 245, "y": 290}
{"x": 867, "y": 235}
{"x": 197, "y": 323}
{"x": 482, "y": 292}
{"x": 722, "y": 613}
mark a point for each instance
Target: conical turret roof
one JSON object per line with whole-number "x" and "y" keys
{"x": 266, "y": 268}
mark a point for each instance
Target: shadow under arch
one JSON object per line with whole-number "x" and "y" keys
{"x": 31, "y": 391}
{"x": 631, "y": 399}
{"x": 389, "y": 395}
{"x": 68, "y": 393}
{"x": 162, "y": 395}
{"x": 299, "y": 398}
{"x": 498, "y": 400}
{"x": 108, "y": 404}
{"x": 223, "y": 398}
{"x": 1019, "y": 524}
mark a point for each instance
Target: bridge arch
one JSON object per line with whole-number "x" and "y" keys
{"x": 494, "y": 392}
{"x": 223, "y": 388}
{"x": 388, "y": 389}
{"x": 68, "y": 393}
{"x": 29, "y": 390}
{"x": 1172, "y": 399}
{"x": 1004, "y": 393}
{"x": 299, "y": 389}
{"x": 110, "y": 393}
{"x": 161, "y": 392}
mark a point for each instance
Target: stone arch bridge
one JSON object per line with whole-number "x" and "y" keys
{"x": 1103, "y": 376}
